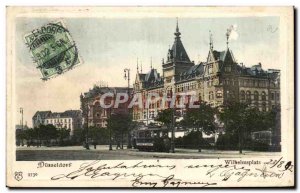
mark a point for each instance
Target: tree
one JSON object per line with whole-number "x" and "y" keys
{"x": 273, "y": 122}
{"x": 240, "y": 119}
{"x": 99, "y": 135}
{"x": 48, "y": 132}
{"x": 119, "y": 124}
{"x": 62, "y": 134}
{"x": 29, "y": 136}
{"x": 202, "y": 119}
{"x": 165, "y": 117}
{"x": 37, "y": 133}
{"x": 20, "y": 136}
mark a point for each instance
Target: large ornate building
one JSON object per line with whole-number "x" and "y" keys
{"x": 217, "y": 80}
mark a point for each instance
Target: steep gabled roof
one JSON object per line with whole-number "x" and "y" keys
{"x": 219, "y": 55}
{"x": 153, "y": 75}
{"x": 222, "y": 55}
{"x": 196, "y": 69}
{"x": 151, "y": 79}
{"x": 71, "y": 113}
{"x": 192, "y": 72}
{"x": 177, "y": 52}
{"x": 68, "y": 113}
{"x": 43, "y": 114}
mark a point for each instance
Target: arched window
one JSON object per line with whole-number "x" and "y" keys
{"x": 255, "y": 95}
{"x": 242, "y": 95}
{"x": 248, "y": 96}
{"x": 263, "y": 96}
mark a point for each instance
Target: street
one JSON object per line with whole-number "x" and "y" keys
{"x": 102, "y": 153}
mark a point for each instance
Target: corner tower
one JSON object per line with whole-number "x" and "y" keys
{"x": 178, "y": 60}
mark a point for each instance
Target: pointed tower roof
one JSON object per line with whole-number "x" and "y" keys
{"x": 177, "y": 52}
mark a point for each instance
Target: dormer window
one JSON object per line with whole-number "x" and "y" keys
{"x": 210, "y": 69}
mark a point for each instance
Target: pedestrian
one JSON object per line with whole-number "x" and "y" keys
{"x": 167, "y": 144}
{"x": 95, "y": 144}
{"x": 118, "y": 144}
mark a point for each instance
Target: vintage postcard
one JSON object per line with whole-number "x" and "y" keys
{"x": 143, "y": 97}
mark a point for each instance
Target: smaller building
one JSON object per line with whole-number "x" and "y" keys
{"x": 70, "y": 119}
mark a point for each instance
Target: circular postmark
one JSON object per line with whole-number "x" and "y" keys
{"x": 53, "y": 49}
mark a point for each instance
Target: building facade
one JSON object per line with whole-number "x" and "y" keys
{"x": 70, "y": 119}
{"x": 217, "y": 80}
{"x": 93, "y": 113}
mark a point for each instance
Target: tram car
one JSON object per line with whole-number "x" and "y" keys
{"x": 152, "y": 138}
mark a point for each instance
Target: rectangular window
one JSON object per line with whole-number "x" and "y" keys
{"x": 277, "y": 96}
{"x": 272, "y": 96}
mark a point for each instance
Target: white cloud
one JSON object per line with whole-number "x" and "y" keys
{"x": 232, "y": 32}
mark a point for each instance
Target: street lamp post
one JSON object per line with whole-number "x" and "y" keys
{"x": 21, "y": 111}
{"x": 127, "y": 76}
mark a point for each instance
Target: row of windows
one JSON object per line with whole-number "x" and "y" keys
{"x": 186, "y": 86}
{"x": 229, "y": 82}
{"x": 151, "y": 115}
{"x": 253, "y": 83}
{"x": 244, "y": 95}
{"x": 58, "y": 121}
{"x": 247, "y": 95}
{"x": 247, "y": 83}
{"x": 64, "y": 126}
{"x": 210, "y": 83}
{"x": 219, "y": 94}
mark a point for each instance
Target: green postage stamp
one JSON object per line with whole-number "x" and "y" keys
{"x": 53, "y": 49}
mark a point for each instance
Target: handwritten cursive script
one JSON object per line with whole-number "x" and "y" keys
{"x": 96, "y": 169}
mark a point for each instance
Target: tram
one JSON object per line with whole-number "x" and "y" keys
{"x": 152, "y": 138}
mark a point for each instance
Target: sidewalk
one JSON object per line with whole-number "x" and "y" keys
{"x": 179, "y": 153}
